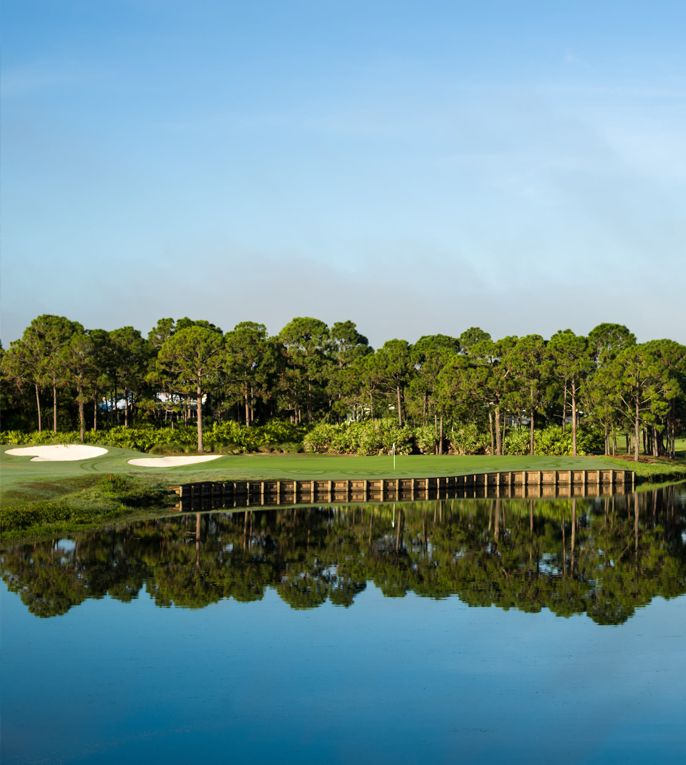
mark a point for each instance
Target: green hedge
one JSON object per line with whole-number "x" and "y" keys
{"x": 552, "y": 441}
{"x": 227, "y": 437}
{"x": 363, "y": 438}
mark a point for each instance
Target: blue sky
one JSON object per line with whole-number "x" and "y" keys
{"x": 415, "y": 167}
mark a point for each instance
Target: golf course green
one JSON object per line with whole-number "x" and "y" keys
{"x": 54, "y": 497}
{"x": 19, "y": 470}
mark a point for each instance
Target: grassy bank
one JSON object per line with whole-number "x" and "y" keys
{"x": 62, "y": 506}
{"x": 654, "y": 469}
{"x": 41, "y": 498}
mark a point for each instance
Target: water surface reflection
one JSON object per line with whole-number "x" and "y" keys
{"x": 601, "y": 557}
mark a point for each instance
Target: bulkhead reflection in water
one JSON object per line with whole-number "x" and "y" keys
{"x": 601, "y": 557}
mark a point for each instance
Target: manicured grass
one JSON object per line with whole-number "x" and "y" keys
{"x": 59, "y": 497}
{"x": 306, "y": 467}
{"x": 17, "y": 471}
{"x": 655, "y": 470}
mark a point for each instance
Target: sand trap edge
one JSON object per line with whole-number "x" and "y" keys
{"x": 165, "y": 462}
{"x": 58, "y": 452}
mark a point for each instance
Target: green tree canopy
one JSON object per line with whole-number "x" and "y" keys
{"x": 570, "y": 360}
{"x": 77, "y": 359}
{"x": 308, "y": 346}
{"x": 193, "y": 357}
{"x": 639, "y": 387}
{"x": 394, "y": 364}
{"x": 247, "y": 363}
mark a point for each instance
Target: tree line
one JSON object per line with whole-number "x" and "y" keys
{"x": 190, "y": 370}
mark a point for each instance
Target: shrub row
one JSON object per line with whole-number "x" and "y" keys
{"x": 363, "y": 438}
{"x": 366, "y": 438}
{"x": 226, "y": 437}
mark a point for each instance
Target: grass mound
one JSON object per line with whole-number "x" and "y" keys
{"x": 55, "y": 507}
{"x": 651, "y": 469}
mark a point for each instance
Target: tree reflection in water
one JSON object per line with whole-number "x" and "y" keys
{"x": 602, "y": 557}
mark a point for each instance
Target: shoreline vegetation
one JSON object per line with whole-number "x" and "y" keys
{"x": 54, "y": 499}
{"x": 291, "y": 405}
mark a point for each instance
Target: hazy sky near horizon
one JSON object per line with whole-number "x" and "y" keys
{"x": 415, "y": 167}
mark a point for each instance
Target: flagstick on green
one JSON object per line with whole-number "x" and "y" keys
{"x": 393, "y": 456}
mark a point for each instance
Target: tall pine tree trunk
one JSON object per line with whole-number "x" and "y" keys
{"x": 637, "y": 434}
{"x": 498, "y": 441}
{"x": 82, "y": 414}
{"x": 54, "y": 406}
{"x": 40, "y": 423}
{"x": 199, "y": 411}
{"x": 400, "y": 410}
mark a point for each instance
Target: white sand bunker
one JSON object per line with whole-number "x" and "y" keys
{"x": 171, "y": 461}
{"x": 58, "y": 452}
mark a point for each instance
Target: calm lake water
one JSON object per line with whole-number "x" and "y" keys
{"x": 470, "y": 631}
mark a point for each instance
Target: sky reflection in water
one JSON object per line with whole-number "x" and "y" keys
{"x": 331, "y": 634}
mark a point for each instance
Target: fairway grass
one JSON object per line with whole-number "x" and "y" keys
{"x": 16, "y": 471}
{"x": 42, "y": 488}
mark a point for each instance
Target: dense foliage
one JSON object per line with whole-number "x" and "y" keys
{"x": 190, "y": 386}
